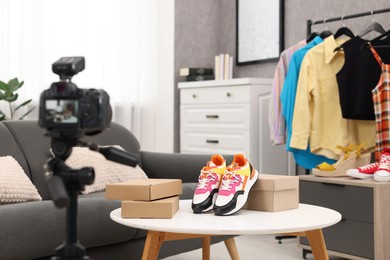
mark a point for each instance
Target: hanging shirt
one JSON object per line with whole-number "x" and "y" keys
{"x": 358, "y": 76}
{"x": 317, "y": 114}
{"x": 381, "y": 98}
{"x": 303, "y": 158}
{"x": 275, "y": 119}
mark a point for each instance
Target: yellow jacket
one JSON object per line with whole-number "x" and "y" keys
{"x": 317, "y": 113}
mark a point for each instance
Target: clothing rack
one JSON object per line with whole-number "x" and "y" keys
{"x": 310, "y": 23}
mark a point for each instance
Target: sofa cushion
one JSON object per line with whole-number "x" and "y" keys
{"x": 15, "y": 186}
{"x": 34, "y": 229}
{"x": 105, "y": 171}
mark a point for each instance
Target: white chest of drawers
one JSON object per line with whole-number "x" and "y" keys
{"x": 228, "y": 117}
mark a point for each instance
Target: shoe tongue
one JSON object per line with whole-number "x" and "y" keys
{"x": 233, "y": 166}
{"x": 209, "y": 166}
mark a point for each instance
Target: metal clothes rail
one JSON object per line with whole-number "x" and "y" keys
{"x": 310, "y": 23}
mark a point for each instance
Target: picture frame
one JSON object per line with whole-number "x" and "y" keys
{"x": 259, "y": 31}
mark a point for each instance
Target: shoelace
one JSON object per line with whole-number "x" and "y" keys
{"x": 369, "y": 166}
{"x": 228, "y": 179}
{"x": 204, "y": 178}
{"x": 385, "y": 161}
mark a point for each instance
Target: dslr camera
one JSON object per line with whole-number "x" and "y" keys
{"x": 66, "y": 110}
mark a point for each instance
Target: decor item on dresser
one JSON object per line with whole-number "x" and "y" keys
{"x": 230, "y": 117}
{"x": 34, "y": 228}
{"x": 197, "y": 74}
{"x": 223, "y": 66}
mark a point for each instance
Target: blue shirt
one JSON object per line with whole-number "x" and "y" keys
{"x": 303, "y": 158}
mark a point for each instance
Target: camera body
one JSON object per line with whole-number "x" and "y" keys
{"x": 65, "y": 109}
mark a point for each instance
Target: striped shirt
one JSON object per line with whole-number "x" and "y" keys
{"x": 276, "y": 120}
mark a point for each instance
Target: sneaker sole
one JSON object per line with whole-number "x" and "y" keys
{"x": 381, "y": 178}
{"x": 238, "y": 200}
{"x": 206, "y": 205}
{"x": 360, "y": 175}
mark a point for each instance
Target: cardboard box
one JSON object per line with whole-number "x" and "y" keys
{"x": 274, "y": 193}
{"x": 163, "y": 208}
{"x": 144, "y": 189}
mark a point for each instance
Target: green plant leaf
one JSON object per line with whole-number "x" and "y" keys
{"x": 23, "y": 104}
{"x": 2, "y": 116}
{"x": 11, "y": 98}
{"x": 4, "y": 86}
{"x": 14, "y": 84}
{"x": 25, "y": 114}
{"x": 2, "y": 95}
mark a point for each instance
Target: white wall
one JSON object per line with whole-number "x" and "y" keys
{"x": 128, "y": 46}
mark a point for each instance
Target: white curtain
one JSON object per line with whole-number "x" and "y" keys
{"x": 118, "y": 38}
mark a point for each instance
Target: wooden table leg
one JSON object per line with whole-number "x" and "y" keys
{"x": 206, "y": 248}
{"x": 154, "y": 240}
{"x": 153, "y": 243}
{"x": 317, "y": 244}
{"x": 316, "y": 241}
{"x": 232, "y": 249}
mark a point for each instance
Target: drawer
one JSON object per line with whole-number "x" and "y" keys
{"x": 353, "y": 202}
{"x": 234, "y": 116}
{"x": 349, "y": 237}
{"x": 212, "y": 95}
{"x": 224, "y": 142}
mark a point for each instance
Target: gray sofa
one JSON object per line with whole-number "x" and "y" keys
{"x": 32, "y": 230}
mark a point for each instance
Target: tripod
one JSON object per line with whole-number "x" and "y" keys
{"x": 65, "y": 183}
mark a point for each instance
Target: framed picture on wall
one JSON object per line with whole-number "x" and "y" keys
{"x": 259, "y": 30}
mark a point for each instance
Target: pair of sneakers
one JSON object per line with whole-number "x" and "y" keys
{"x": 380, "y": 171}
{"x": 224, "y": 189}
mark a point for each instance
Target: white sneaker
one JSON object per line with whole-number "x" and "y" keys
{"x": 383, "y": 172}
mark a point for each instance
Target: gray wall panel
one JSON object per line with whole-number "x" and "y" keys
{"x": 204, "y": 28}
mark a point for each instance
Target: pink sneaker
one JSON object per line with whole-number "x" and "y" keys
{"x": 236, "y": 183}
{"x": 364, "y": 172}
{"x": 383, "y": 172}
{"x": 209, "y": 181}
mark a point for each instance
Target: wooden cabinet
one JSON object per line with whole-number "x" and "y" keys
{"x": 228, "y": 117}
{"x": 364, "y": 231}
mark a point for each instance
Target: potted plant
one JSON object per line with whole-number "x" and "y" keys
{"x": 8, "y": 94}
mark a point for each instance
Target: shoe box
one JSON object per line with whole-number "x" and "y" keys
{"x": 147, "y": 198}
{"x": 274, "y": 193}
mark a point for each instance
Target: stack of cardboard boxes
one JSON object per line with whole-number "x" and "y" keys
{"x": 147, "y": 198}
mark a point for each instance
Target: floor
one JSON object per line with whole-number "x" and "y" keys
{"x": 256, "y": 247}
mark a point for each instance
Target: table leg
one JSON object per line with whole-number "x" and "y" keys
{"x": 153, "y": 243}
{"x": 206, "y": 248}
{"x": 231, "y": 247}
{"x": 317, "y": 244}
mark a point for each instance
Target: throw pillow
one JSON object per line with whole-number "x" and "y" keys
{"x": 105, "y": 171}
{"x": 15, "y": 186}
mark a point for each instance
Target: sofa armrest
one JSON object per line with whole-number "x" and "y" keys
{"x": 175, "y": 165}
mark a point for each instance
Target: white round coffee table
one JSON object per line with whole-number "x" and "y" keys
{"x": 306, "y": 220}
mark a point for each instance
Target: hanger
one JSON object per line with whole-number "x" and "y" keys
{"x": 311, "y": 36}
{"x": 343, "y": 31}
{"x": 366, "y": 44}
{"x": 326, "y": 33}
{"x": 373, "y": 26}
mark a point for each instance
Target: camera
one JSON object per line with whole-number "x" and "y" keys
{"x": 65, "y": 109}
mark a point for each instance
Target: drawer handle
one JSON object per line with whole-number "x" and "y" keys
{"x": 228, "y": 94}
{"x": 194, "y": 96}
{"x": 333, "y": 184}
{"x": 212, "y": 141}
{"x": 212, "y": 116}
